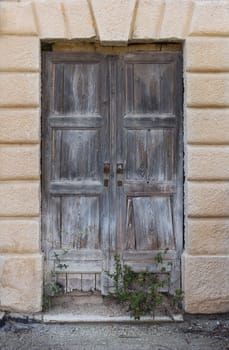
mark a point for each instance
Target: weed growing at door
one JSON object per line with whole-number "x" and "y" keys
{"x": 53, "y": 288}
{"x": 141, "y": 292}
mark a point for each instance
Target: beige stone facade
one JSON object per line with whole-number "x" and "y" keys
{"x": 203, "y": 27}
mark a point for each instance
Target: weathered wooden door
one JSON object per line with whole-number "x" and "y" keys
{"x": 112, "y": 164}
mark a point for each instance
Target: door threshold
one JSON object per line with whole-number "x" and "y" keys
{"x": 72, "y": 318}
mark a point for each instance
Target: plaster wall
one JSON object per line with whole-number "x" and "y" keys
{"x": 203, "y": 27}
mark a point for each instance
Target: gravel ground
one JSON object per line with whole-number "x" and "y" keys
{"x": 195, "y": 333}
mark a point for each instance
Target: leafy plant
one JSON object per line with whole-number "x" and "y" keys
{"x": 53, "y": 288}
{"x": 177, "y": 298}
{"x": 50, "y": 290}
{"x": 140, "y": 291}
{"x": 58, "y": 261}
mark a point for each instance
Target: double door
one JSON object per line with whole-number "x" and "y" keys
{"x": 111, "y": 165}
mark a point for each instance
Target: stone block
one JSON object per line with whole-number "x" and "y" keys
{"x": 21, "y": 282}
{"x": 206, "y": 199}
{"x": 207, "y": 236}
{"x": 210, "y": 18}
{"x": 17, "y": 18}
{"x": 176, "y": 19}
{"x": 19, "y": 89}
{"x": 21, "y": 53}
{"x": 19, "y": 236}
{"x": 19, "y": 199}
{"x": 148, "y": 19}
{"x": 50, "y": 19}
{"x": 79, "y": 20}
{"x": 207, "y": 126}
{"x": 19, "y": 162}
{"x": 207, "y": 90}
{"x": 208, "y": 163}
{"x": 19, "y": 125}
{"x": 113, "y": 20}
{"x": 207, "y": 54}
{"x": 205, "y": 283}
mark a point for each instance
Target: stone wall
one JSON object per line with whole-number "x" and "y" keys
{"x": 203, "y": 26}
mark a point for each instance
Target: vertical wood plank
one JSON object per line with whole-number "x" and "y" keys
{"x": 167, "y": 90}
{"x": 57, "y": 89}
{"x": 56, "y": 154}
{"x": 61, "y": 279}
{"x": 98, "y": 282}
{"x": 74, "y": 282}
{"x": 88, "y": 282}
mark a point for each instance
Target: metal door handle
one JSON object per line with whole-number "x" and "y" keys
{"x": 106, "y": 171}
{"x": 106, "y": 168}
{"x": 119, "y": 168}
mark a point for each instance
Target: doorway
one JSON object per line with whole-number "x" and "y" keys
{"x": 112, "y": 164}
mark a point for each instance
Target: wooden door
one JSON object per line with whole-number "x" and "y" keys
{"x": 149, "y": 162}
{"x": 75, "y": 138}
{"x": 112, "y": 164}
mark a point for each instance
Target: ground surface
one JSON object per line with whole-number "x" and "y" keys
{"x": 195, "y": 333}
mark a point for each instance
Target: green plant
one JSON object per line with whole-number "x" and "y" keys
{"x": 53, "y": 288}
{"x": 177, "y": 298}
{"x": 58, "y": 261}
{"x": 50, "y": 290}
{"x": 142, "y": 292}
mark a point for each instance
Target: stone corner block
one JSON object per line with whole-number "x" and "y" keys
{"x": 205, "y": 283}
{"x": 210, "y": 18}
{"x": 207, "y": 199}
{"x": 207, "y": 90}
{"x": 19, "y": 125}
{"x": 78, "y": 19}
{"x": 19, "y": 89}
{"x": 113, "y": 20}
{"x": 207, "y": 54}
{"x": 21, "y": 282}
{"x": 207, "y": 236}
{"x": 17, "y": 18}
{"x": 19, "y": 199}
{"x": 207, "y": 126}
{"x": 19, "y": 236}
{"x": 208, "y": 163}
{"x": 21, "y": 53}
{"x": 19, "y": 162}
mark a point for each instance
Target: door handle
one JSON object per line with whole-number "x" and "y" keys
{"x": 106, "y": 171}
{"x": 119, "y": 168}
{"x": 106, "y": 168}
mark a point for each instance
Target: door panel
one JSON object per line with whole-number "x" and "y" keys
{"x": 150, "y": 155}
{"x": 81, "y": 88}
{"x": 112, "y": 165}
{"x": 149, "y": 223}
{"x": 79, "y": 157}
{"x": 80, "y": 222}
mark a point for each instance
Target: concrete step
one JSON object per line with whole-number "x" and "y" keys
{"x": 71, "y": 318}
